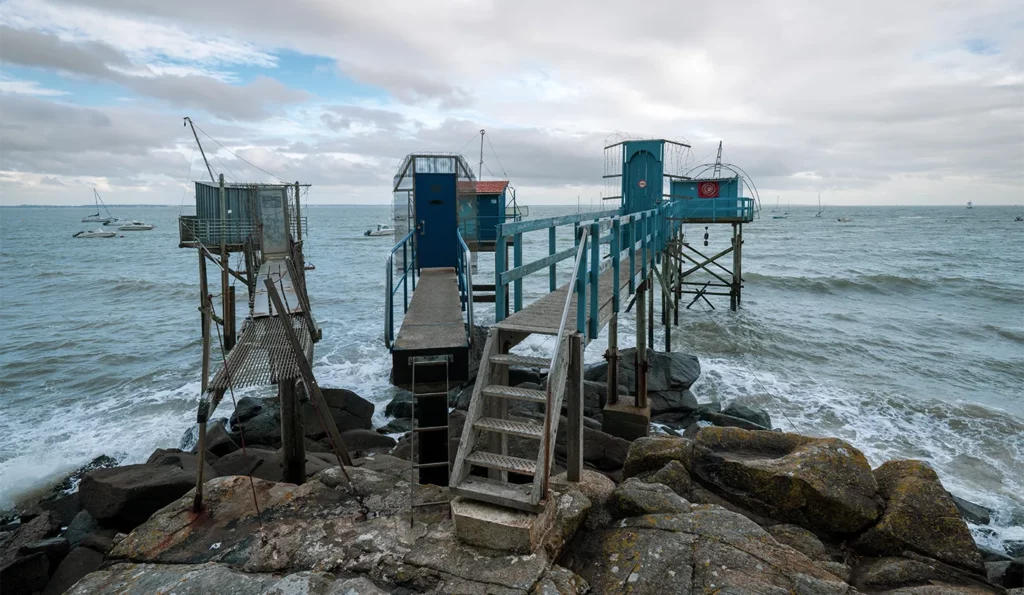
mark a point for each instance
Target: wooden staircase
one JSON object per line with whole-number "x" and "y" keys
{"x": 488, "y": 424}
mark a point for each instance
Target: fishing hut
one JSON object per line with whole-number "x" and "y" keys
{"x": 262, "y": 228}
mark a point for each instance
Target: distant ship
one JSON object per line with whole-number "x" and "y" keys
{"x": 970, "y": 205}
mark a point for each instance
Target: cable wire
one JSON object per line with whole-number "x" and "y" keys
{"x": 188, "y": 179}
{"x": 238, "y": 157}
{"x": 496, "y": 157}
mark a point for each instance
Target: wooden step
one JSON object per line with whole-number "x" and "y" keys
{"x": 512, "y": 495}
{"x": 502, "y": 462}
{"x": 511, "y": 359}
{"x": 514, "y": 392}
{"x": 526, "y": 429}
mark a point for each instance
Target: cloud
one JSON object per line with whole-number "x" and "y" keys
{"x": 807, "y": 96}
{"x": 17, "y": 87}
{"x": 97, "y": 60}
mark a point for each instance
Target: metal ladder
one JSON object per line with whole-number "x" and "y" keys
{"x": 438, "y": 473}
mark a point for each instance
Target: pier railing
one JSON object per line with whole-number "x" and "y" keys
{"x": 465, "y": 275}
{"x": 714, "y": 210}
{"x": 640, "y": 235}
{"x": 407, "y": 245}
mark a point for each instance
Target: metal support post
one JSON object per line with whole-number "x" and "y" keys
{"x": 641, "y": 344}
{"x": 612, "y": 355}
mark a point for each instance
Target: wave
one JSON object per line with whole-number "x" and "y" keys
{"x": 883, "y": 284}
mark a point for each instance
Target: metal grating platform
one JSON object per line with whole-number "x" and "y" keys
{"x": 523, "y": 428}
{"x": 502, "y": 462}
{"x": 262, "y": 354}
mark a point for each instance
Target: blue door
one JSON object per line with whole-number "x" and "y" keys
{"x": 436, "y": 224}
{"x": 488, "y": 213}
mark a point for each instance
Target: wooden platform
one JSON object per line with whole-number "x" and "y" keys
{"x": 433, "y": 325}
{"x": 544, "y": 315}
{"x": 278, "y": 271}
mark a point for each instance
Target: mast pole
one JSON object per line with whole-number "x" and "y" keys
{"x": 480, "y": 168}
{"x": 201, "y": 151}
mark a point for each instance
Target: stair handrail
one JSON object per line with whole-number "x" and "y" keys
{"x": 466, "y": 274}
{"x": 580, "y": 251}
{"x": 408, "y": 266}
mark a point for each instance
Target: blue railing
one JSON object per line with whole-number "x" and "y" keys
{"x": 408, "y": 247}
{"x": 641, "y": 234}
{"x": 465, "y": 275}
{"x": 715, "y": 209}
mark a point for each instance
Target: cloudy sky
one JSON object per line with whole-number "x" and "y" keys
{"x": 905, "y": 102}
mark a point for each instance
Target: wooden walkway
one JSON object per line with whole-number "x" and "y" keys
{"x": 434, "y": 319}
{"x": 545, "y": 314}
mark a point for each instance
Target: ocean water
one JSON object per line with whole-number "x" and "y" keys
{"x": 901, "y": 331}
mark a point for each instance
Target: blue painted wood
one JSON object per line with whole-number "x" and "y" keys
{"x": 551, "y": 252}
{"x": 537, "y": 265}
{"x": 632, "y": 257}
{"x": 616, "y": 257}
{"x": 517, "y": 261}
{"x": 642, "y": 175}
{"x": 499, "y": 287}
{"x": 507, "y": 229}
{"x": 595, "y": 275}
{"x": 581, "y": 291}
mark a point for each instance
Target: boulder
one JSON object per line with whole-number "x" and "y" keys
{"x": 674, "y": 475}
{"x": 399, "y": 425}
{"x": 666, "y": 371}
{"x": 750, "y": 413}
{"x": 400, "y": 405}
{"x": 654, "y": 452}
{"x": 218, "y": 441}
{"x": 705, "y": 550}
{"x": 43, "y": 526}
{"x": 597, "y": 488}
{"x": 672, "y": 402}
{"x": 362, "y": 441}
{"x": 463, "y": 398}
{"x": 25, "y": 575}
{"x": 349, "y": 410}
{"x": 258, "y": 421}
{"x": 635, "y": 498}
{"x": 63, "y": 507}
{"x": 125, "y": 497}
{"x": 268, "y": 464}
{"x": 55, "y": 549}
{"x": 185, "y": 461}
{"x": 971, "y": 512}
{"x": 1014, "y": 575}
{"x": 883, "y": 574}
{"x": 82, "y": 525}
{"x": 728, "y": 421}
{"x": 75, "y": 566}
{"x": 517, "y": 375}
{"x": 919, "y": 516}
{"x": 560, "y": 581}
{"x": 823, "y": 484}
{"x": 800, "y": 539}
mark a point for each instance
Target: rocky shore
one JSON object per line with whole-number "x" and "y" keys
{"x": 714, "y": 501}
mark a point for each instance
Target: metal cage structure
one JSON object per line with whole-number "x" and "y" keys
{"x": 673, "y": 156}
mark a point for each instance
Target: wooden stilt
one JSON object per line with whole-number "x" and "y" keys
{"x": 574, "y": 392}
{"x": 641, "y": 344}
{"x": 612, "y": 355}
{"x": 650, "y": 309}
{"x": 293, "y": 446}
{"x": 230, "y": 330}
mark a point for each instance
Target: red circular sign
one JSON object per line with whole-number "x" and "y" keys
{"x": 709, "y": 189}
{"x": 643, "y": 183}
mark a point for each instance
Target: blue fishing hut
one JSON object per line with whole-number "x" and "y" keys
{"x": 655, "y": 172}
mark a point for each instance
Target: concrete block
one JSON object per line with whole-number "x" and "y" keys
{"x": 498, "y": 528}
{"x": 625, "y": 420}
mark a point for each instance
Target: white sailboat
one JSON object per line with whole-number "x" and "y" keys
{"x": 135, "y": 226}
{"x": 970, "y": 205}
{"x": 820, "y": 210}
{"x": 97, "y": 218}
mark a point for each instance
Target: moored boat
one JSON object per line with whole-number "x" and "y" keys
{"x": 136, "y": 226}
{"x": 99, "y": 233}
{"x": 383, "y": 229}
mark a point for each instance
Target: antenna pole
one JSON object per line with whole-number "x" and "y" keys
{"x": 201, "y": 151}
{"x": 718, "y": 161}
{"x": 480, "y": 168}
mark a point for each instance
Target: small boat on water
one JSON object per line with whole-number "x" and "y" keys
{"x": 820, "y": 210}
{"x": 383, "y": 229}
{"x": 970, "y": 205}
{"x": 844, "y": 219}
{"x": 135, "y": 226}
{"x": 97, "y": 218}
{"x": 114, "y": 222}
{"x": 99, "y": 233}
{"x": 1018, "y": 218}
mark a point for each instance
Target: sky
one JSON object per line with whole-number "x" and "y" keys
{"x": 865, "y": 103}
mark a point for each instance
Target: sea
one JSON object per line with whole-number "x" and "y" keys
{"x": 900, "y": 331}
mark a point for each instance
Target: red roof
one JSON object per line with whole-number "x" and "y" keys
{"x": 484, "y": 187}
